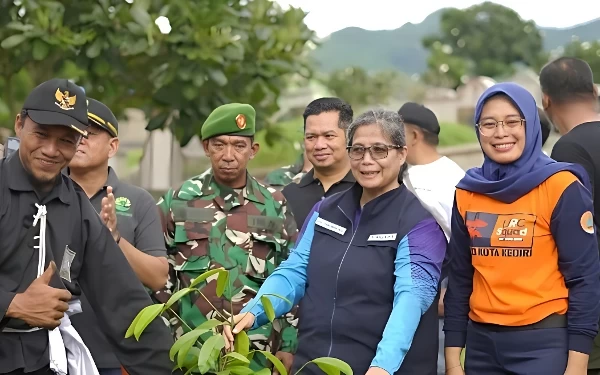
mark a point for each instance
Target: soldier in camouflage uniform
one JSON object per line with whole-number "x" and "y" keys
{"x": 288, "y": 174}
{"x": 226, "y": 218}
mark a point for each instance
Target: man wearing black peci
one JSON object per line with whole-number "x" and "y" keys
{"x": 54, "y": 246}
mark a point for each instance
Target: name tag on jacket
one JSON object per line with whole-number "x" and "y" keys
{"x": 382, "y": 237}
{"x": 331, "y": 226}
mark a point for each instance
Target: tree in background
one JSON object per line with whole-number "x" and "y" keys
{"x": 175, "y": 59}
{"x": 588, "y": 51}
{"x": 362, "y": 89}
{"x": 485, "y": 39}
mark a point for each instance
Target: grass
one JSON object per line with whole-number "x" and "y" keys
{"x": 285, "y": 151}
{"x": 452, "y": 134}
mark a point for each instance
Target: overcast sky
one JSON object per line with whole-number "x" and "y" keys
{"x": 327, "y": 16}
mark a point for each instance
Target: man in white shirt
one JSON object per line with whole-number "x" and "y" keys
{"x": 432, "y": 178}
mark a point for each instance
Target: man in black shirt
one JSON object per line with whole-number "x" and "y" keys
{"x": 55, "y": 246}
{"x": 325, "y": 124}
{"x": 570, "y": 101}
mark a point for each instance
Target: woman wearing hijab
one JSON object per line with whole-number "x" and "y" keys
{"x": 524, "y": 284}
{"x": 366, "y": 266}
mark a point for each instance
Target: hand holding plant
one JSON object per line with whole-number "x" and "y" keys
{"x": 203, "y": 350}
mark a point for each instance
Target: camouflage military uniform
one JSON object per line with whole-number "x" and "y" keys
{"x": 247, "y": 231}
{"x": 285, "y": 175}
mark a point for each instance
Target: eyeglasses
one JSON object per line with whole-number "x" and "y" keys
{"x": 487, "y": 128}
{"x": 377, "y": 151}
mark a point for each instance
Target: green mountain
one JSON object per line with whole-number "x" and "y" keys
{"x": 401, "y": 48}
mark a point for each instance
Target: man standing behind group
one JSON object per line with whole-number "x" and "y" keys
{"x": 132, "y": 218}
{"x": 432, "y": 178}
{"x": 226, "y": 218}
{"x": 570, "y": 100}
{"x": 325, "y": 124}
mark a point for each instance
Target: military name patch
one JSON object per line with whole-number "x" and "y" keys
{"x": 182, "y": 212}
{"x": 264, "y": 222}
{"x": 331, "y": 226}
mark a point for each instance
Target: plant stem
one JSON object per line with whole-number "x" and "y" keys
{"x": 180, "y": 319}
{"x": 211, "y": 305}
{"x": 301, "y": 368}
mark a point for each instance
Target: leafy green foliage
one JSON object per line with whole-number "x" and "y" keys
{"x": 215, "y": 52}
{"x": 588, "y": 51}
{"x": 360, "y": 88}
{"x": 485, "y": 39}
{"x": 194, "y": 355}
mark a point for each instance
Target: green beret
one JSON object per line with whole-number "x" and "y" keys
{"x": 230, "y": 119}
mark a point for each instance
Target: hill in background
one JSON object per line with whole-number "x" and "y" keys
{"x": 401, "y": 48}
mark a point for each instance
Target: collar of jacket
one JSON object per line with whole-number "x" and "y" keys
{"x": 227, "y": 197}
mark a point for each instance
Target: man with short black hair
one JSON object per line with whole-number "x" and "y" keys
{"x": 325, "y": 124}
{"x": 570, "y": 101}
{"x": 128, "y": 211}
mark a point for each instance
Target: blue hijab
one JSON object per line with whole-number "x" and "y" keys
{"x": 509, "y": 182}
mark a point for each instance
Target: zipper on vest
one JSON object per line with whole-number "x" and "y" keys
{"x": 336, "y": 282}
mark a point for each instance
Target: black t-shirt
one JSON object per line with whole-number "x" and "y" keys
{"x": 301, "y": 197}
{"x": 582, "y": 146}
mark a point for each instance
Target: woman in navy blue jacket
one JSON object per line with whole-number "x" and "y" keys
{"x": 366, "y": 266}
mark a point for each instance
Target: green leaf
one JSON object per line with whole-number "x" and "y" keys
{"x": 191, "y": 359}
{"x": 157, "y": 122}
{"x": 177, "y": 296}
{"x": 205, "y": 276}
{"x": 182, "y": 346}
{"x": 19, "y": 26}
{"x": 268, "y": 307}
{"x": 216, "y": 342}
{"x": 133, "y": 324}
{"x": 241, "y": 343}
{"x": 141, "y": 16}
{"x": 282, "y": 135}
{"x": 222, "y": 281}
{"x": 164, "y": 11}
{"x": 94, "y": 49}
{"x": 149, "y": 313}
{"x": 332, "y": 366}
{"x": 40, "y": 50}
{"x": 275, "y": 361}
{"x": 13, "y": 41}
{"x": 219, "y": 77}
{"x": 264, "y": 371}
{"x": 237, "y": 356}
{"x": 240, "y": 370}
{"x": 210, "y": 324}
{"x": 187, "y": 340}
